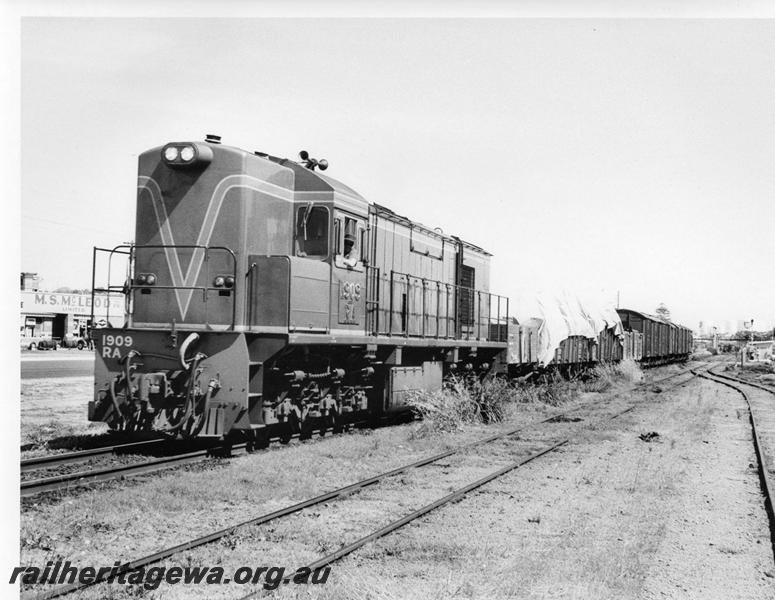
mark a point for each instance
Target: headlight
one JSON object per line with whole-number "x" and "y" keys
{"x": 187, "y": 153}
{"x": 219, "y": 281}
{"x": 229, "y": 282}
{"x": 145, "y": 279}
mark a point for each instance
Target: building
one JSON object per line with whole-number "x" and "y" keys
{"x": 761, "y": 350}
{"x": 56, "y": 314}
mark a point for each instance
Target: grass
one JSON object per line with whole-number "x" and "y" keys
{"x": 493, "y": 400}
{"x": 758, "y": 367}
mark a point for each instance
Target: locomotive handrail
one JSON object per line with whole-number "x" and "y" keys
{"x": 371, "y": 302}
{"x": 96, "y": 249}
{"x": 128, "y": 288}
{"x": 486, "y": 313}
{"x": 206, "y": 288}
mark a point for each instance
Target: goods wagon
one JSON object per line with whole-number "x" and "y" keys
{"x": 663, "y": 341}
{"x": 574, "y": 352}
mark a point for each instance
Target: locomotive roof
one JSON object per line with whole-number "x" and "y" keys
{"x": 383, "y": 211}
{"x": 309, "y": 180}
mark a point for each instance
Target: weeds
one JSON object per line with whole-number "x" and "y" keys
{"x": 630, "y": 371}
{"x": 603, "y": 377}
{"x": 446, "y": 409}
{"x": 551, "y": 389}
{"x": 462, "y": 402}
{"x": 492, "y": 397}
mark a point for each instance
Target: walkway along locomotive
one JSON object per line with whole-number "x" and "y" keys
{"x": 261, "y": 292}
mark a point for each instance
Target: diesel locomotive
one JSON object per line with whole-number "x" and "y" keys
{"x": 261, "y": 293}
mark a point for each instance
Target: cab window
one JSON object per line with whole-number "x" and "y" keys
{"x": 351, "y": 250}
{"x": 349, "y": 242}
{"x": 312, "y": 231}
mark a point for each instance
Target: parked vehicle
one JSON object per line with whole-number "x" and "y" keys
{"x": 39, "y": 343}
{"x": 73, "y": 341}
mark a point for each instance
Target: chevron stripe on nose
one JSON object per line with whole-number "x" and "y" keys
{"x": 149, "y": 187}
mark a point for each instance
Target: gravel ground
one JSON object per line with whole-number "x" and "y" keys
{"x": 606, "y": 516}
{"x": 716, "y": 542}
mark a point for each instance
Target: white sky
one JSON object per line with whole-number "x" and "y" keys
{"x": 592, "y": 155}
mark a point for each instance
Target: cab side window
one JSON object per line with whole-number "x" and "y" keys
{"x": 351, "y": 250}
{"x": 312, "y": 231}
{"x": 349, "y": 235}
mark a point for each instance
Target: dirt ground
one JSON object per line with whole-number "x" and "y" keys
{"x": 606, "y": 516}
{"x": 54, "y": 409}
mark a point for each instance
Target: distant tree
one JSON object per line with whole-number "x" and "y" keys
{"x": 663, "y": 311}
{"x": 745, "y": 335}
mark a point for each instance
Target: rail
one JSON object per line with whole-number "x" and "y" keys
{"x": 765, "y": 469}
{"x": 400, "y": 304}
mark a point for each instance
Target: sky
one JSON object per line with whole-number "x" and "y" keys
{"x": 598, "y": 156}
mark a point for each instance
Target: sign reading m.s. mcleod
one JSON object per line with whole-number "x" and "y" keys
{"x": 76, "y": 304}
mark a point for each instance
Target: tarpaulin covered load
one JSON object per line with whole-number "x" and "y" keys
{"x": 536, "y": 337}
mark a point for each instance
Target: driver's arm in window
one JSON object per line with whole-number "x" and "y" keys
{"x": 351, "y": 252}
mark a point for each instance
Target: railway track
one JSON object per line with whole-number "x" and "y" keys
{"x": 69, "y": 458}
{"x": 345, "y": 491}
{"x": 744, "y": 381}
{"x": 69, "y": 481}
{"x": 761, "y": 413}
